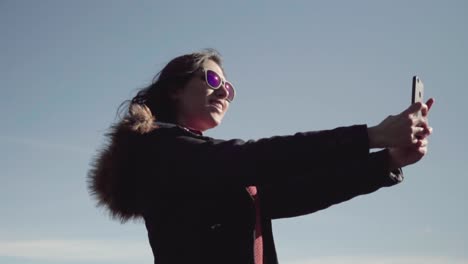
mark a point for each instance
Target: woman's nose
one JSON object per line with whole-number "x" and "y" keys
{"x": 222, "y": 92}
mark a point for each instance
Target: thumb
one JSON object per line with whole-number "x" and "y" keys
{"x": 413, "y": 108}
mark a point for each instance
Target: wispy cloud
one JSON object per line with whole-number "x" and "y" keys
{"x": 43, "y": 144}
{"x": 78, "y": 250}
{"x": 380, "y": 260}
{"x": 140, "y": 252}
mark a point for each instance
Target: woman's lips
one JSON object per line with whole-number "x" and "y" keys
{"x": 217, "y": 104}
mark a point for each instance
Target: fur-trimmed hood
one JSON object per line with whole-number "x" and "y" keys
{"x": 112, "y": 180}
{"x": 117, "y": 175}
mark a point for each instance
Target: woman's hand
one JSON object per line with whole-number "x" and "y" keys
{"x": 402, "y": 130}
{"x": 405, "y": 135}
{"x": 403, "y": 156}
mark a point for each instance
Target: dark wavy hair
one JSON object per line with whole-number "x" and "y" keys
{"x": 155, "y": 102}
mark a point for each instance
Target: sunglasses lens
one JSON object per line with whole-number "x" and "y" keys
{"x": 213, "y": 79}
{"x": 230, "y": 90}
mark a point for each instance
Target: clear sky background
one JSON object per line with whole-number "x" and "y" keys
{"x": 65, "y": 66}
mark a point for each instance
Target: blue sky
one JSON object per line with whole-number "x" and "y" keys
{"x": 65, "y": 66}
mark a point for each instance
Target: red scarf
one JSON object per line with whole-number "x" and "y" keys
{"x": 258, "y": 242}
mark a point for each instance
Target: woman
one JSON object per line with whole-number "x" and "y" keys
{"x": 205, "y": 200}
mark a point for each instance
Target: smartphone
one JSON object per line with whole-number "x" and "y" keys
{"x": 418, "y": 92}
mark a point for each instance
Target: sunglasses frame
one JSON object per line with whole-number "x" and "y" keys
{"x": 221, "y": 83}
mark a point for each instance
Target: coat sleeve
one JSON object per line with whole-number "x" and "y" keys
{"x": 189, "y": 161}
{"x": 350, "y": 179}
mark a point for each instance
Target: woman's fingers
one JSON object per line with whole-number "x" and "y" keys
{"x": 413, "y": 109}
{"x": 422, "y": 146}
{"x": 418, "y": 131}
{"x": 427, "y": 130}
{"x": 421, "y": 143}
{"x": 429, "y": 104}
{"x": 424, "y": 143}
{"x": 418, "y": 106}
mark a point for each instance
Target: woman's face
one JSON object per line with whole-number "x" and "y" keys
{"x": 199, "y": 106}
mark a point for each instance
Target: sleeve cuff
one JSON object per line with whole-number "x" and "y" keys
{"x": 379, "y": 168}
{"x": 396, "y": 175}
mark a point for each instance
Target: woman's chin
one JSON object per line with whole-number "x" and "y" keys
{"x": 214, "y": 120}
{"x": 209, "y": 120}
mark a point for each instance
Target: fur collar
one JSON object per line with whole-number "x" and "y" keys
{"x": 116, "y": 178}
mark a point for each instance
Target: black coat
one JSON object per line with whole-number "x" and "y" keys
{"x": 191, "y": 189}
